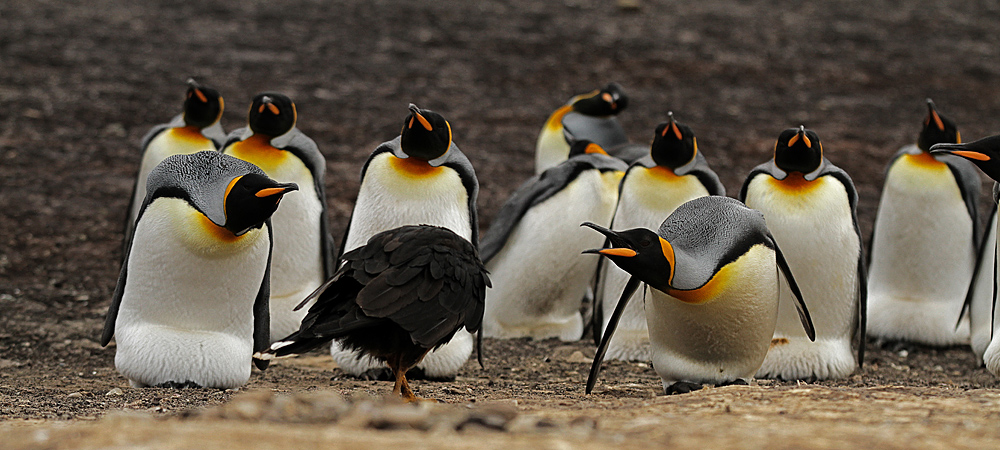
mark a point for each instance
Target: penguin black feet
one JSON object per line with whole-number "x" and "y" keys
{"x": 682, "y": 387}
{"x": 179, "y": 385}
{"x": 736, "y": 382}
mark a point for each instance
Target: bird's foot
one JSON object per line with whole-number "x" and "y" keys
{"x": 385, "y": 374}
{"x": 736, "y": 382}
{"x": 682, "y": 387}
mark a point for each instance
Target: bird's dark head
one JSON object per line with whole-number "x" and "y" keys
{"x": 251, "y": 199}
{"x": 674, "y": 144}
{"x": 937, "y": 129}
{"x": 426, "y": 134}
{"x": 798, "y": 150}
{"x": 203, "y": 105}
{"x": 606, "y": 102}
{"x": 640, "y": 252}
{"x": 272, "y": 114}
{"x": 585, "y": 147}
{"x": 984, "y": 153}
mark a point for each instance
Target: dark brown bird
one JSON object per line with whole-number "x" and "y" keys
{"x": 404, "y": 293}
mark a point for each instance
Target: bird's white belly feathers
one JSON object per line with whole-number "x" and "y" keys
{"x": 168, "y": 143}
{"x": 814, "y": 228}
{"x": 922, "y": 255}
{"x": 726, "y": 336}
{"x": 388, "y": 199}
{"x": 187, "y": 309}
{"x": 648, "y": 196}
{"x": 551, "y": 148}
{"x": 539, "y": 277}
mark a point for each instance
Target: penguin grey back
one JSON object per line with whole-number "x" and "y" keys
{"x": 709, "y": 232}
{"x": 200, "y": 178}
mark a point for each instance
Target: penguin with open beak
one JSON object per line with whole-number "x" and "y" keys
{"x": 711, "y": 272}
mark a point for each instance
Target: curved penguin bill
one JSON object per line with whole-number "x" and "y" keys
{"x": 649, "y": 258}
{"x": 426, "y": 134}
{"x": 984, "y": 153}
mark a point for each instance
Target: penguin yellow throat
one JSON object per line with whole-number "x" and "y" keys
{"x": 413, "y": 167}
{"x": 257, "y": 149}
{"x": 924, "y": 160}
{"x": 189, "y": 134}
{"x": 555, "y": 120}
{"x": 665, "y": 173}
{"x": 794, "y": 182}
{"x": 217, "y": 232}
{"x": 710, "y": 290}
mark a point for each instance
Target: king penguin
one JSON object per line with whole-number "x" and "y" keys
{"x": 420, "y": 177}
{"x": 810, "y": 206}
{"x": 924, "y": 242}
{"x": 405, "y": 292}
{"x": 191, "y": 304}
{"x": 532, "y": 248}
{"x": 590, "y": 117}
{"x": 711, "y": 272}
{"x": 980, "y": 299}
{"x": 195, "y": 129}
{"x": 984, "y": 153}
{"x": 302, "y": 244}
{"x": 671, "y": 173}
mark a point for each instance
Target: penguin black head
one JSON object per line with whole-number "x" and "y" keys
{"x": 606, "y": 102}
{"x": 251, "y": 199}
{"x": 798, "y": 150}
{"x": 585, "y": 147}
{"x": 272, "y": 114}
{"x": 984, "y": 153}
{"x": 674, "y": 144}
{"x": 426, "y": 134}
{"x": 640, "y": 252}
{"x": 937, "y": 129}
{"x": 203, "y": 105}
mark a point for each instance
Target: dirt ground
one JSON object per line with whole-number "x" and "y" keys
{"x": 82, "y": 81}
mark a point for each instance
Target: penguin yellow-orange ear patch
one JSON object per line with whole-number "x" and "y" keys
{"x": 668, "y": 253}
{"x": 594, "y": 148}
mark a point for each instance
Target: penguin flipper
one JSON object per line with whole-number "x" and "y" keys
{"x": 800, "y": 305}
{"x": 116, "y": 301}
{"x": 261, "y": 306}
{"x": 457, "y": 161}
{"x": 980, "y": 258}
{"x": 595, "y": 367}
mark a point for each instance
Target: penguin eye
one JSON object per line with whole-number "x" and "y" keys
{"x": 645, "y": 242}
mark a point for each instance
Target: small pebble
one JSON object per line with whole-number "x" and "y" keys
{"x": 115, "y": 392}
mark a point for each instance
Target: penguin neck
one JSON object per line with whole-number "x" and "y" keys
{"x": 794, "y": 182}
{"x": 706, "y": 292}
{"x": 555, "y": 120}
{"x": 258, "y": 150}
{"x": 664, "y": 172}
{"x": 414, "y": 167}
{"x": 189, "y": 133}
{"x": 923, "y": 158}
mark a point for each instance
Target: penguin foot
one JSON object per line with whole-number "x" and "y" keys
{"x": 384, "y": 374}
{"x": 736, "y": 382}
{"x": 682, "y": 387}
{"x": 179, "y": 385}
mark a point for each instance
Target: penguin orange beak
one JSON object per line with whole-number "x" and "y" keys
{"x": 619, "y": 246}
{"x": 416, "y": 115}
{"x": 280, "y": 190}
{"x": 968, "y": 154}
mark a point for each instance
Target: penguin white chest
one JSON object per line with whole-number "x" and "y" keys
{"x": 173, "y": 141}
{"x": 922, "y": 255}
{"x": 539, "y": 277}
{"x": 813, "y": 225}
{"x": 397, "y": 192}
{"x": 187, "y": 309}
{"x": 648, "y": 195}
{"x": 722, "y": 331}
